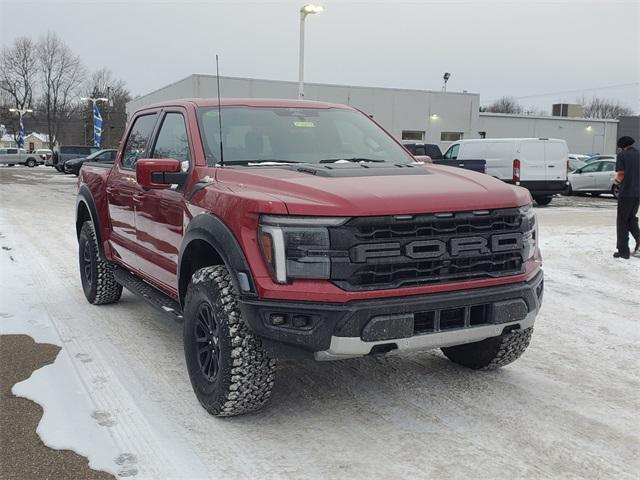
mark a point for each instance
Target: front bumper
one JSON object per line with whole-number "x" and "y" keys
{"x": 341, "y": 330}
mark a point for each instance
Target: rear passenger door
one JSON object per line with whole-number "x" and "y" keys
{"x": 532, "y": 161}
{"x": 603, "y": 178}
{"x": 160, "y": 212}
{"x": 556, "y": 157}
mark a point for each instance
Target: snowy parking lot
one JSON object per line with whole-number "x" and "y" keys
{"x": 118, "y": 392}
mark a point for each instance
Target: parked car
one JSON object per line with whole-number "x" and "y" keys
{"x": 67, "y": 152}
{"x": 431, "y": 153}
{"x": 538, "y": 164}
{"x": 104, "y": 156}
{"x": 15, "y": 156}
{"x": 594, "y": 178}
{"x": 595, "y": 158}
{"x": 311, "y": 233}
{"x": 44, "y": 154}
{"x": 576, "y": 161}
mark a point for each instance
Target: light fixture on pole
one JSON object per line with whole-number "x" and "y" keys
{"x": 97, "y": 118}
{"x": 304, "y": 11}
{"x": 445, "y": 77}
{"x": 20, "y": 112}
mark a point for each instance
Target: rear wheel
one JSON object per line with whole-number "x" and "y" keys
{"x": 98, "y": 281}
{"x": 230, "y": 372}
{"x": 568, "y": 191}
{"x": 615, "y": 190}
{"x": 543, "y": 200}
{"x": 491, "y": 353}
{"x": 11, "y": 165}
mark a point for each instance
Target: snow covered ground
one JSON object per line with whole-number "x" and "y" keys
{"x": 119, "y": 394}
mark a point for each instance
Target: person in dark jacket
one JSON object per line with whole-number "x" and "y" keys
{"x": 628, "y": 178}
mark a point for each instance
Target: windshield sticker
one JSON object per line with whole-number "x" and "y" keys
{"x": 304, "y": 124}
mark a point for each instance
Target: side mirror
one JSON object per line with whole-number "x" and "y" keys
{"x": 159, "y": 173}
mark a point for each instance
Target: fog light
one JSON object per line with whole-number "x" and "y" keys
{"x": 300, "y": 321}
{"x": 277, "y": 319}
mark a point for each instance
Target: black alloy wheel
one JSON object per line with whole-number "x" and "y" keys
{"x": 206, "y": 330}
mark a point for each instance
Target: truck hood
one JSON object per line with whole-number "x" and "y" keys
{"x": 366, "y": 189}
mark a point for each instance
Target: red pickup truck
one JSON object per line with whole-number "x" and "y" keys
{"x": 292, "y": 229}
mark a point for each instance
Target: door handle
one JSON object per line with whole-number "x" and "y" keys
{"x": 551, "y": 166}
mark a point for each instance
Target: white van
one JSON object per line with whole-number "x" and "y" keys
{"x": 538, "y": 164}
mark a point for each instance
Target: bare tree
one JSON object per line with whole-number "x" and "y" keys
{"x": 17, "y": 79}
{"x": 603, "y": 108}
{"x": 62, "y": 73}
{"x": 504, "y": 105}
{"x": 102, "y": 83}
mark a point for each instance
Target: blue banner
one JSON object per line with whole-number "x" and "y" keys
{"x": 21, "y": 133}
{"x": 97, "y": 125}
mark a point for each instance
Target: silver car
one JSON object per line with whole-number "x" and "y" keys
{"x": 595, "y": 178}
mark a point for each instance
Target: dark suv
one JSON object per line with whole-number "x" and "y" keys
{"x": 67, "y": 152}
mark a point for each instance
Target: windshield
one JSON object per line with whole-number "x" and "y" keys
{"x": 295, "y": 135}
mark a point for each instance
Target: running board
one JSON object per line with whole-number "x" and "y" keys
{"x": 152, "y": 295}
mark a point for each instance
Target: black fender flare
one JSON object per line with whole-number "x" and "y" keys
{"x": 212, "y": 230}
{"x": 85, "y": 197}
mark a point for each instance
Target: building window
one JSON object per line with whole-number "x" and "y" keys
{"x": 451, "y": 136}
{"x": 414, "y": 135}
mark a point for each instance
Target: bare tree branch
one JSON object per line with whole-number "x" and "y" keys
{"x": 17, "y": 78}
{"x": 603, "y": 108}
{"x": 62, "y": 73}
{"x": 504, "y": 105}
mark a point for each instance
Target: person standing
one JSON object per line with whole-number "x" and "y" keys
{"x": 628, "y": 178}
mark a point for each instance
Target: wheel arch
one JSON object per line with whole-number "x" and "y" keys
{"x": 86, "y": 211}
{"x": 208, "y": 241}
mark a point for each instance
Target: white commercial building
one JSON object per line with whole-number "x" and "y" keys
{"x": 424, "y": 115}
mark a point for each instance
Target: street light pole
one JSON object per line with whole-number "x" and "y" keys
{"x": 304, "y": 11}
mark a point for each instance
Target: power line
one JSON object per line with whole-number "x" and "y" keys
{"x": 607, "y": 87}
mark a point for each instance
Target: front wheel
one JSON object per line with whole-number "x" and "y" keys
{"x": 491, "y": 353}
{"x": 98, "y": 280}
{"x": 31, "y": 163}
{"x": 543, "y": 200}
{"x": 230, "y": 372}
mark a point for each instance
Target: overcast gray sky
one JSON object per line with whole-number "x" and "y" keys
{"x": 519, "y": 48}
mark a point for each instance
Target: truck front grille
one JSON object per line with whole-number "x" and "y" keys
{"x": 396, "y": 251}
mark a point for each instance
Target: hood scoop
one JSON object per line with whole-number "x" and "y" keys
{"x": 362, "y": 169}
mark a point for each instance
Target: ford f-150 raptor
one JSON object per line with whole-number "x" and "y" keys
{"x": 291, "y": 229}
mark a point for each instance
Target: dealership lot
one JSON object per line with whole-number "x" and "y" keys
{"x": 567, "y": 408}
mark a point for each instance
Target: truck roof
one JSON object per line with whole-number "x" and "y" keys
{"x": 247, "y": 102}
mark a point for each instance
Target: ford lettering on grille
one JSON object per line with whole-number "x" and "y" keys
{"x": 393, "y": 251}
{"x": 435, "y": 248}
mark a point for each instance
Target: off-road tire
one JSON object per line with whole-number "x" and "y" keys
{"x": 491, "y": 353}
{"x": 31, "y": 163}
{"x": 541, "y": 201}
{"x": 98, "y": 280}
{"x": 244, "y": 373}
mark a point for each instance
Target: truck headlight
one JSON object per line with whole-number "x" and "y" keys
{"x": 297, "y": 247}
{"x": 530, "y": 236}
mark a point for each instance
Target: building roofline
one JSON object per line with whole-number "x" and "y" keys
{"x": 547, "y": 117}
{"x": 223, "y": 77}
